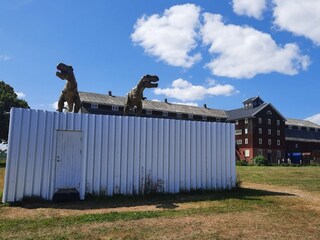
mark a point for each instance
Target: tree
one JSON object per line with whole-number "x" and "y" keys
{"x": 8, "y": 99}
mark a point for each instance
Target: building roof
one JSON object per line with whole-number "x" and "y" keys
{"x": 252, "y": 99}
{"x": 153, "y": 105}
{"x": 301, "y": 123}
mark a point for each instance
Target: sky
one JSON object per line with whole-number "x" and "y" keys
{"x": 217, "y": 52}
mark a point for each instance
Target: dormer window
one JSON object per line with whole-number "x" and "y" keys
{"x": 269, "y": 112}
{"x": 94, "y": 105}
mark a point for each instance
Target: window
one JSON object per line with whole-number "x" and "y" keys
{"x": 246, "y": 120}
{"x": 179, "y": 115}
{"x": 269, "y": 142}
{"x": 269, "y": 121}
{"x": 246, "y": 141}
{"x": 278, "y": 132}
{"x": 115, "y": 108}
{"x": 278, "y": 122}
{"x": 290, "y": 126}
{"x": 218, "y": 119}
{"x": 278, "y": 142}
{"x": 299, "y": 127}
{"x": 278, "y": 154}
{"x": 94, "y": 105}
{"x": 260, "y": 140}
{"x": 269, "y": 112}
{"x": 239, "y": 141}
{"x": 204, "y": 118}
{"x": 239, "y": 132}
{"x": 316, "y": 129}
{"x": 246, "y": 131}
{"x": 149, "y": 112}
{"x": 269, "y": 131}
{"x": 260, "y": 120}
{"x": 260, "y": 152}
{"x": 237, "y": 122}
{"x": 190, "y": 116}
{"x": 247, "y": 153}
{"x": 165, "y": 114}
{"x": 260, "y": 130}
{"x": 308, "y": 129}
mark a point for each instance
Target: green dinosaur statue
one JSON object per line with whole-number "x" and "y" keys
{"x": 135, "y": 96}
{"x": 70, "y": 92}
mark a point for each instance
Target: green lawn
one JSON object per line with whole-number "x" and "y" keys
{"x": 305, "y": 178}
{"x": 244, "y": 213}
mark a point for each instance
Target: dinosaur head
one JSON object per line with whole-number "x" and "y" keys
{"x": 149, "y": 81}
{"x": 64, "y": 72}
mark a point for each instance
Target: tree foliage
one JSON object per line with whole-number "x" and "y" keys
{"x": 8, "y": 99}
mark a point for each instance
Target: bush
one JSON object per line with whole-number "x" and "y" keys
{"x": 241, "y": 163}
{"x": 260, "y": 161}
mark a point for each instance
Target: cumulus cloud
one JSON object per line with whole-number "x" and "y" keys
{"x": 243, "y": 52}
{"x": 249, "y": 8}
{"x": 299, "y": 17}
{"x": 5, "y": 57}
{"x": 185, "y": 91}
{"x": 21, "y": 94}
{"x": 315, "y": 118}
{"x": 170, "y": 37}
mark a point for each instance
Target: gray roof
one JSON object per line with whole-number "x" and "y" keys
{"x": 302, "y": 140}
{"x": 153, "y": 105}
{"x": 301, "y": 123}
{"x": 245, "y": 113}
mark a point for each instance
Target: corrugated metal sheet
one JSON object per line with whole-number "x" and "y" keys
{"x": 119, "y": 155}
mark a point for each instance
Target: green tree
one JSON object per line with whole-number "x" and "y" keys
{"x": 8, "y": 99}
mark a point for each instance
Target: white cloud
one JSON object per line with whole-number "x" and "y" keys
{"x": 187, "y": 103}
{"x": 170, "y": 37}
{"x": 249, "y": 8}
{"x": 54, "y": 105}
{"x": 243, "y": 52}
{"x": 21, "y": 94}
{"x": 5, "y": 57}
{"x": 315, "y": 118}
{"x": 185, "y": 91}
{"x": 300, "y": 17}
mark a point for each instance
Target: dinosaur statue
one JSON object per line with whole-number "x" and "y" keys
{"x": 70, "y": 92}
{"x": 135, "y": 96}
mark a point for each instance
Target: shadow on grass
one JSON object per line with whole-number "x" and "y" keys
{"x": 165, "y": 201}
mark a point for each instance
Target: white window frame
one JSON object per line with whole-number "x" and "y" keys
{"x": 148, "y": 111}
{"x": 269, "y": 121}
{"x": 260, "y": 130}
{"x": 246, "y": 141}
{"x": 246, "y": 120}
{"x": 278, "y": 143}
{"x": 239, "y": 142}
{"x": 278, "y": 133}
{"x": 269, "y": 131}
{"x": 246, "y": 131}
{"x": 115, "y": 108}
{"x": 278, "y": 122}
{"x": 237, "y": 122}
{"x": 247, "y": 153}
{"x": 94, "y": 105}
{"x": 238, "y": 132}
{"x": 204, "y": 118}
{"x": 260, "y": 141}
{"x": 165, "y": 114}
{"x": 260, "y": 120}
{"x": 269, "y": 142}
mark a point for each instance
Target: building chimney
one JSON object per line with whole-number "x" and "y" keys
{"x": 166, "y": 100}
{"x": 109, "y": 93}
{"x": 205, "y": 105}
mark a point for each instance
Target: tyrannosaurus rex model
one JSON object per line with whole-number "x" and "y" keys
{"x": 135, "y": 96}
{"x": 70, "y": 92}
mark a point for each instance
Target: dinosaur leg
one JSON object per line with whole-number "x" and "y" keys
{"x": 61, "y": 103}
{"x": 139, "y": 108}
{"x": 77, "y": 104}
{"x": 70, "y": 106}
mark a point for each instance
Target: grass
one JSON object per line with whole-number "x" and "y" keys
{"x": 305, "y": 178}
{"x": 244, "y": 213}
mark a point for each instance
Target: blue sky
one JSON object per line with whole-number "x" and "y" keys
{"x": 213, "y": 52}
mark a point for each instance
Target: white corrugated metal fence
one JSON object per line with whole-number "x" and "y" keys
{"x": 107, "y": 155}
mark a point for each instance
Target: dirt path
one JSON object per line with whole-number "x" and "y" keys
{"x": 47, "y": 210}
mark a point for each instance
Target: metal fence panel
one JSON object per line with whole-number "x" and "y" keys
{"x": 120, "y": 154}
